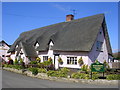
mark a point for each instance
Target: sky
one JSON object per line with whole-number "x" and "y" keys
{"x": 18, "y": 17}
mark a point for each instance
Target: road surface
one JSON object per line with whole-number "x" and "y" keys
{"x": 14, "y": 80}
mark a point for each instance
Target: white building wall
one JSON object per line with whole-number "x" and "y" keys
{"x": 3, "y": 51}
{"x": 99, "y": 55}
{"x": 64, "y": 56}
{"x": 48, "y": 53}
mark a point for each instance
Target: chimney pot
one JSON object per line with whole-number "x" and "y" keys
{"x": 69, "y": 17}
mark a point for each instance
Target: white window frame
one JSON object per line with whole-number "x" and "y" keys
{"x": 72, "y": 60}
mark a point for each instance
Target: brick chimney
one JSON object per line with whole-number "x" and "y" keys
{"x": 69, "y": 17}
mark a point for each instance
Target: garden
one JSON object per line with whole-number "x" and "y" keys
{"x": 47, "y": 67}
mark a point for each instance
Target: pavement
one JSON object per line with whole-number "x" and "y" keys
{"x": 14, "y": 80}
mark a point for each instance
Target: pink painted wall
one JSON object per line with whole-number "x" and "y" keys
{"x": 94, "y": 54}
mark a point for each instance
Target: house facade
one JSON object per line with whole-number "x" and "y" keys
{"x": 4, "y": 47}
{"x": 70, "y": 40}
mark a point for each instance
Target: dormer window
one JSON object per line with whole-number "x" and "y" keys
{"x": 36, "y": 45}
{"x": 16, "y": 46}
{"x": 50, "y": 44}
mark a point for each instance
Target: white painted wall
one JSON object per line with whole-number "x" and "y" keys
{"x": 3, "y": 51}
{"x": 100, "y": 56}
{"x": 48, "y": 53}
{"x": 64, "y": 56}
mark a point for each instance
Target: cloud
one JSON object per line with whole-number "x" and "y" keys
{"x": 62, "y": 7}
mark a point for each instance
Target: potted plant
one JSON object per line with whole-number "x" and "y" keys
{"x": 38, "y": 59}
{"x": 80, "y": 61}
{"x": 50, "y": 59}
{"x": 60, "y": 60}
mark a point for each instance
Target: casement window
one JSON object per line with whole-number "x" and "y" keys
{"x": 45, "y": 58}
{"x": 72, "y": 60}
{"x": 99, "y": 46}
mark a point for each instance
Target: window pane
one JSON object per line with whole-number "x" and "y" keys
{"x": 72, "y": 60}
{"x": 45, "y": 58}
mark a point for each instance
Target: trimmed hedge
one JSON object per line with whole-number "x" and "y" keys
{"x": 113, "y": 77}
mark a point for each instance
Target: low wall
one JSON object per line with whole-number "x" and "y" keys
{"x": 45, "y": 76}
{"x": 115, "y": 65}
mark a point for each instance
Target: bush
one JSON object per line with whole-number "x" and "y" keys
{"x": 47, "y": 63}
{"x": 85, "y": 68}
{"x": 21, "y": 60}
{"x": 106, "y": 65}
{"x": 65, "y": 70}
{"x": 61, "y": 73}
{"x": 13, "y": 66}
{"x": 113, "y": 77}
{"x": 42, "y": 70}
{"x": 80, "y": 76}
{"x": 16, "y": 61}
{"x": 52, "y": 73}
{"x": 95, "y": 76}
{"x": 41, "y": 65}
{"x": 33, "y": 70}
{"x": 17, "y": 67}
{"x": 33, "y": 62}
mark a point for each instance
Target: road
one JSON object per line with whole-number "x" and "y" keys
{"x": 13, "y": 80}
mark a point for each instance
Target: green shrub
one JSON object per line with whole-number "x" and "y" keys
{"x": 65, "y": 70}
{"x": 57, "y": 73}
{"x": 106, "y": 65}
{"x": 5, "y": 65}
{"x": 52, "y": 73}
{"x": 95, "y": 76}
{"x": 47, "y": 63}
{"x": 16, "y": 61}
{"x": 33, "y": 62}
{"x": 85, "y": 68}
{"x": 14, "y": 66}
{"x": 21, "y": 60}
{"x": 10, "y": 66}
{"x": 17, "y": 67}
{"x": 42, "y": 70}
{"x": 113, "y": 77}
{"x": 80, "y": 76}
{"x": 33, "y": 70}
{"x": 62, "y": 74}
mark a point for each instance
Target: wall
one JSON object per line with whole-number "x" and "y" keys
{"x": 94, "y": 54}
{"x": 64, "y": 56}
{"x": 3, "y": 51}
